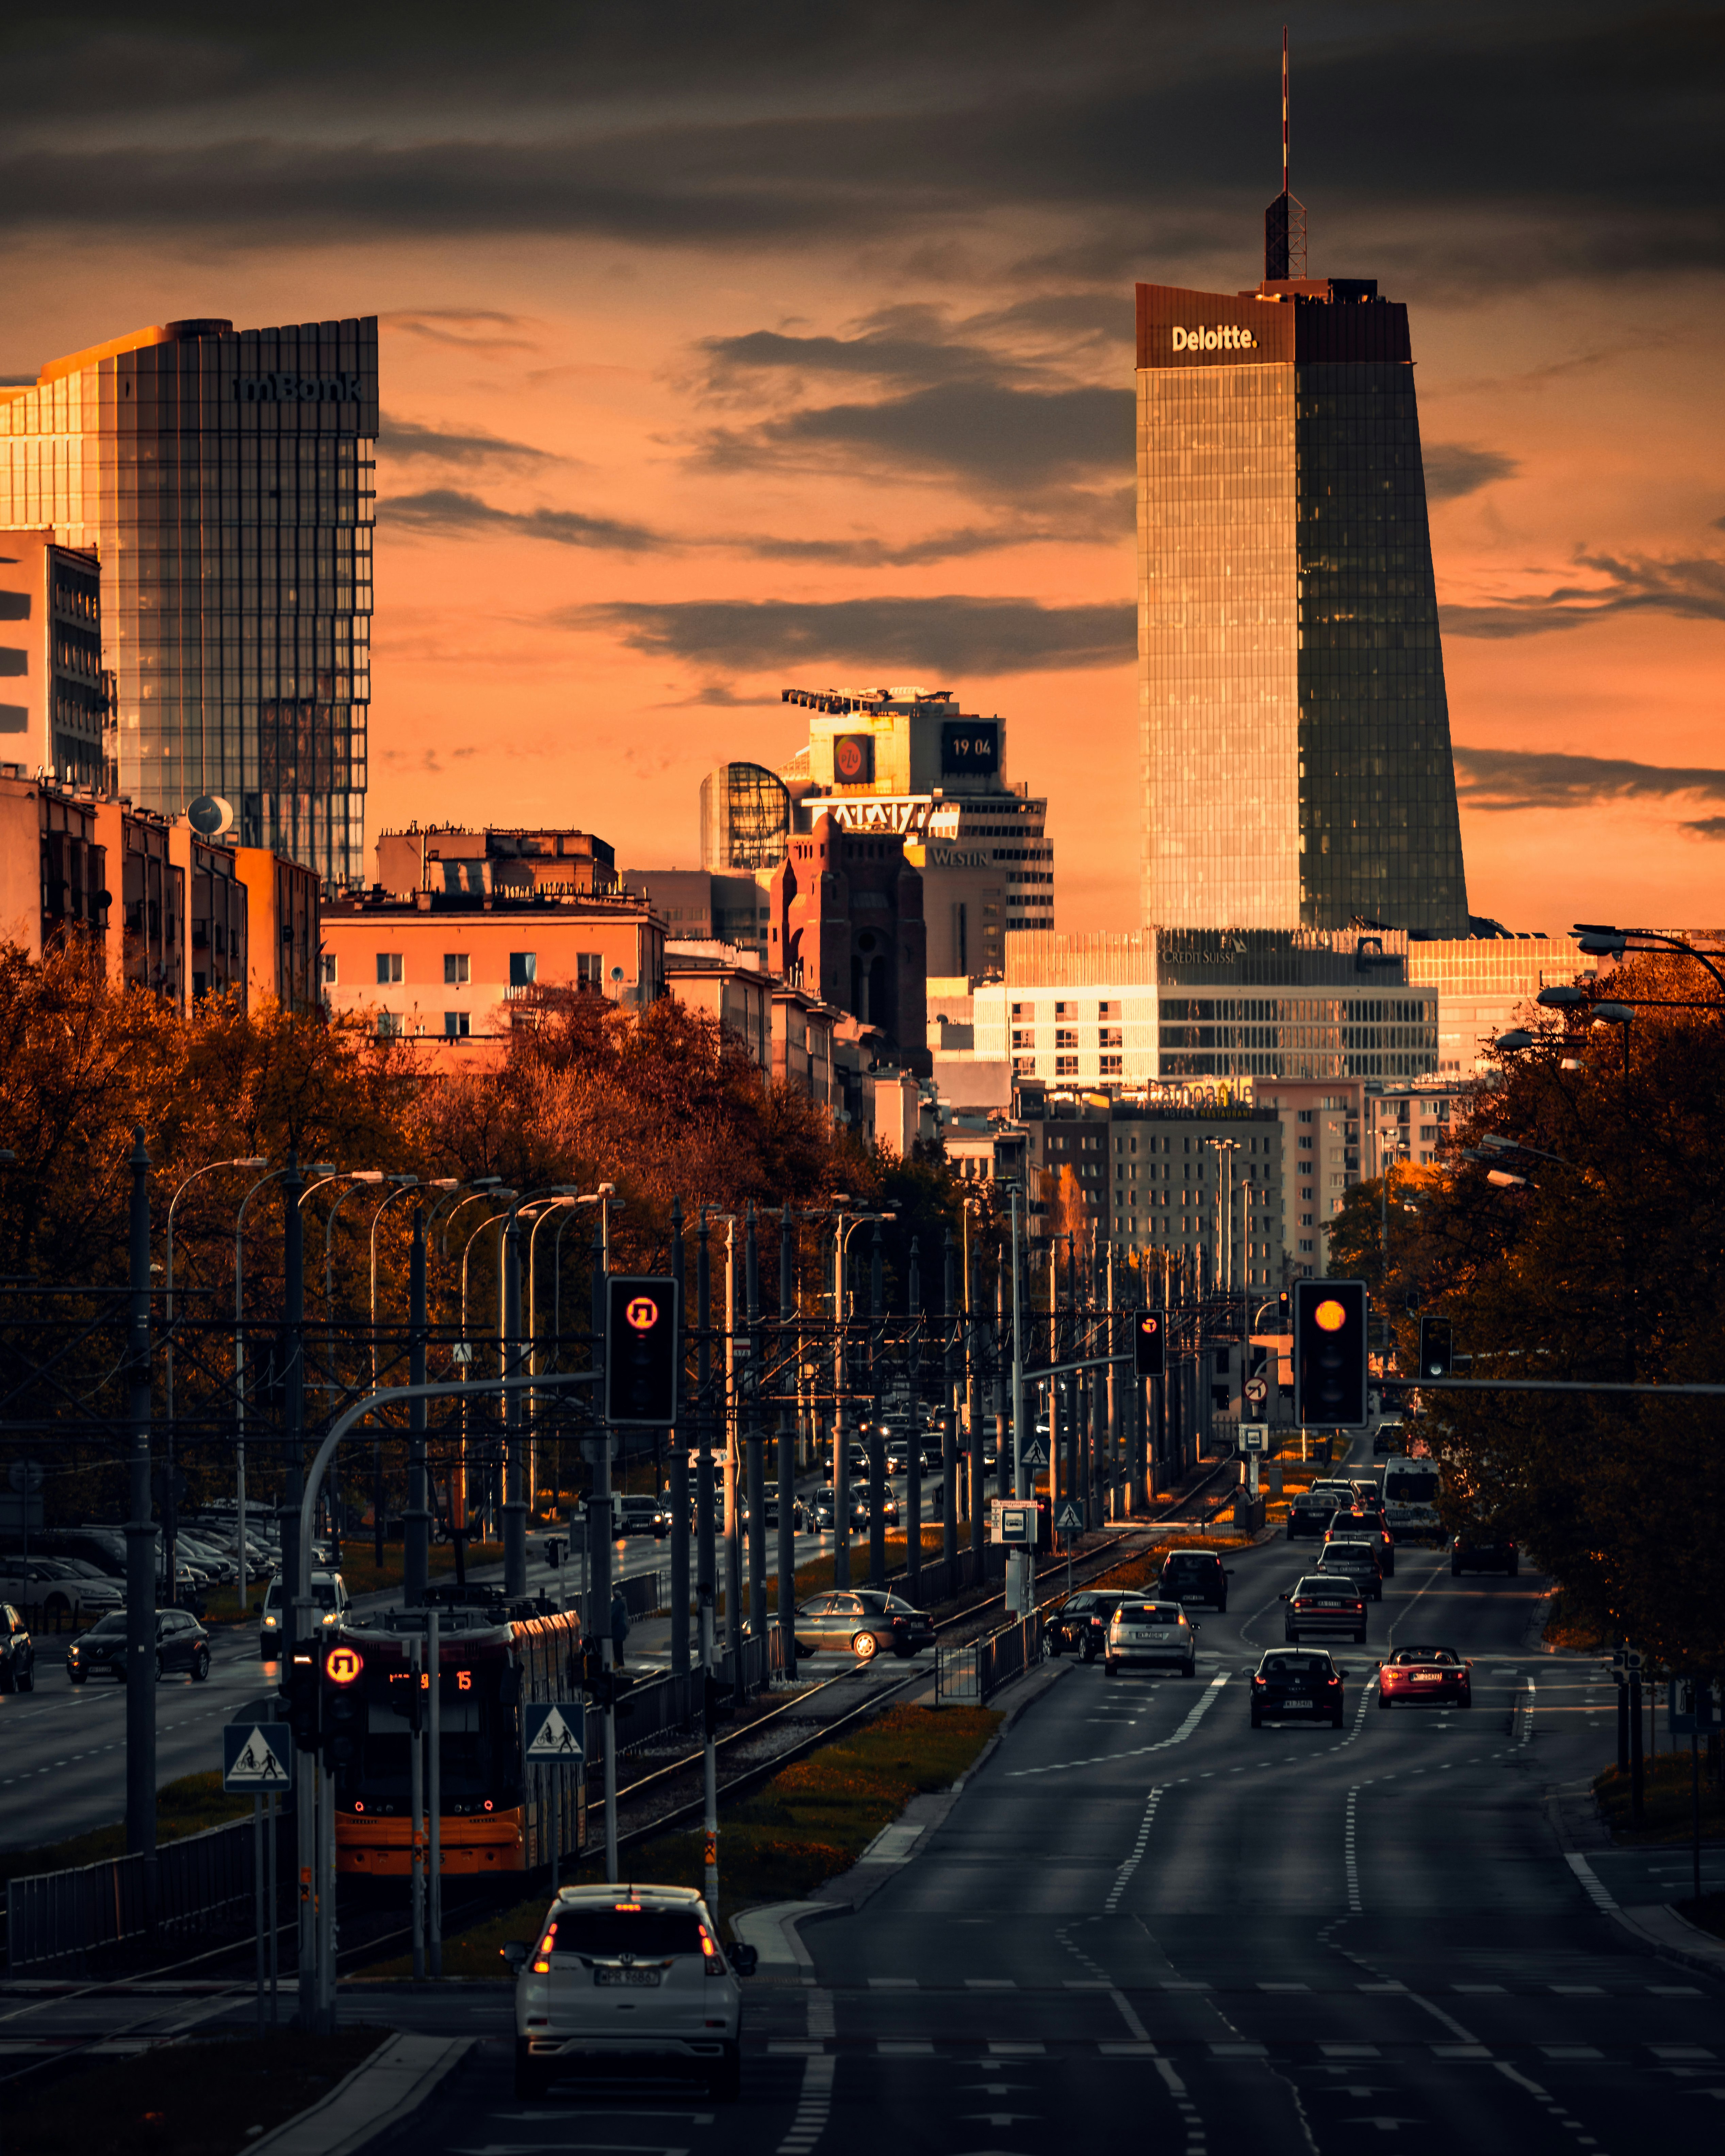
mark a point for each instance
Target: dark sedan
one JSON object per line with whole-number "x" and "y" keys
{"x": 1195, "y": 1576}
{"x": 17, "y": 1652}
{"x": 1304, "y": 1687}
{"x": 1484, "y": 1553}
{"x": 861, "y": 1621}
{"x": 181, "y": 1644}
{"x": 1081, "y": 1622}
{"x": 1325, "y": 1602}
{"x": 1358, "y": 1561}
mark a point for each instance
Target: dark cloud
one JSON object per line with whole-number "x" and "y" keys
{"x": 1504, "y": 779}
{"x": 995, "y": 439}
{"x": 405, "y": 437}
{"x": 449, "y": 513}
{"x": 1694, "y": 590}
{"x": 879, "y": 354}
{"x": 954, "y": 636}
{"x": 1453, "y": 470}
{"x": 1709, "y": 827}
{"x": 1586, "y": 133}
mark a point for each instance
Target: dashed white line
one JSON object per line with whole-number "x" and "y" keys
{"x": 1200, "y": 1708}
{"x": 1124, "y": 1876}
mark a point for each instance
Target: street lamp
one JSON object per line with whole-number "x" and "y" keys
{"x": 465, "y": 1351}
{"x": 1597, "y": 941}
{"x": 170, "y": 1510}
{"x": 1517, "y": 1037}
{"x": 405, "y": 1185}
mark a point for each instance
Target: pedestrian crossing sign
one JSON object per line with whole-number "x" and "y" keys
{"x": 1070, "y": 1518}
{"x": 556, "y": 1732}
{"x": 257, "y": 1757}
{"x": 1035, "y": 1453}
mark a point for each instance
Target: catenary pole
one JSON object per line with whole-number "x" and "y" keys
{"x": 140, "y": 1652}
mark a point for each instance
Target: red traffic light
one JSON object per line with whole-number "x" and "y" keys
{"x": 1330, "y": 1316}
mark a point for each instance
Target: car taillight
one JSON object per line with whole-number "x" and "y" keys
{"x": 1258, "y": 1680}
{"x": 1333, "y": 1682}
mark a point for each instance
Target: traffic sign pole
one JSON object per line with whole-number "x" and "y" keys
{"x": 416, "y": 1755}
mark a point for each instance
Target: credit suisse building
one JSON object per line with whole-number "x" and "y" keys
{"x": 226, "y": 480}
{"x": 1296, "y": 735}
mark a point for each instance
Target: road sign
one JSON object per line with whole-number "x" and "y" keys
{"x": 25, "y": 1476}
{"x": 1256, "y": 1390}
{"x": 555, "y": 1732}
{"x": 1068, "y": 1518}
{"x": 1694, "y": 1706}
{"x": 1254, "y": 1436}
{"x": 1014, "y": 1521}
{"x": 257, "y": 1757}
{"x": 1035, "y": 1453}
{"x": 461, "y": 1354}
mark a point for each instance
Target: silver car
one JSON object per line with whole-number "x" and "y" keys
{"x": 627, "y": 1980}
{"x": 1157, "y": 1634}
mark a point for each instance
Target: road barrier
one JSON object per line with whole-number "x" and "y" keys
{"x": 969, "y": 1673}
{"x": 57, "y": 1916}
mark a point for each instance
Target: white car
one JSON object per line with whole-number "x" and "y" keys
{"x": 627, "y": 1980}
{"x": 329, "y": 1592}
{"x": 1160, "y": 1635}
{"x": 64, "y": 1591}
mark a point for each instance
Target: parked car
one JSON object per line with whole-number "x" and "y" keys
{"x": 62, "y": 1590}
{"x": 1081, "y": 1622}
{"x": 628, "y": 1979}
{"x": 329, "y": 1591}
{"x": 1478, "y": 1550}
{"x": 1306, "y": 1686}
{"x": 181, "y": 1644}
{"x": 1195, "y": 1576}
{"x": 1160, "y": 1635}
{"x": 862, "y": 1621}
{"x": 1325, "y": 1602}
{"x": 17, "y": 1652}
{"x": 1413, "y": 1675}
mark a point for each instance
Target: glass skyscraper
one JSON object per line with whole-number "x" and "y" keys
{"x": 1296, "y": 734}
{"x": 227, "y": 480}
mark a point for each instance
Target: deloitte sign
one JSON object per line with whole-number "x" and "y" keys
{"x": 1229, "y": 338}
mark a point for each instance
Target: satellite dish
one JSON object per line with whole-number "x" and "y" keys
{"x": 210, "y": 815}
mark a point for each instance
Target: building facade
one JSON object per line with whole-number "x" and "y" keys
{"x": 56, "y": 697}
{"x": 745, "y": 818}
{"x": 702, "y": 904}
{"x": 453, "y": 859}
{"x": 1483, "y": 983}
{"x": 227, "y": 482}
{"x": 1295, "y": 728}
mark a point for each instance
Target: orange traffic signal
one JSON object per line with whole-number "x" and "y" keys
{"x": 1330, "y": 1373}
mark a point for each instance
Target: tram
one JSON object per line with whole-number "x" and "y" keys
{"x": 498, "y": 1815}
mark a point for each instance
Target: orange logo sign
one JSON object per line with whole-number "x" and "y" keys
{"x": 642, "y": 1313}
{"x": 341, "y": 1666}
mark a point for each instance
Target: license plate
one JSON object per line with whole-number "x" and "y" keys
{"x": 625, "y": 1976}
{"x": 1296, "y": 1706}
{"x": 1428, "y": 1680}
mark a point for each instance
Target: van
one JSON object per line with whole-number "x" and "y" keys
{"x": 328, "y": 1593}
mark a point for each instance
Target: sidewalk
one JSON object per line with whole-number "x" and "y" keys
{"x": 384, "y": 2092}
{"x": 1581, "y": 1833}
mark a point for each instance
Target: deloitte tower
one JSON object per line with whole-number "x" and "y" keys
{"x": 1297, "y": 771}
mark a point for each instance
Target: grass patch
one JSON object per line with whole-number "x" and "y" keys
{"x": 1667, "y": 1801}
{"x": 193, "y": 2099}
{"x": 809, "y": 1823}
{"x": 187, "y": 1806}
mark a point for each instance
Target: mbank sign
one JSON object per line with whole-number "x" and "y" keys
{"x": 298, "y": 389}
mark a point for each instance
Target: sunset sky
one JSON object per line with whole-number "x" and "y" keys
{"x": 725, "y": 347}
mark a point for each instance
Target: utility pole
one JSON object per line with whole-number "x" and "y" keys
{"x": 877, "y": 1449}
{"x": 733, "y": 1485}
{"x": 516, "y": 1505}
{"x": 140, "y": 1549}
{"x": 913, "y": 1466}
{"x": 677, "y": 1464}
{"x": 1018, "y": 1598}
{"x": 416, "y": 1523}
{"x": 705, "y": 1578}
{"x": 599, "y": 1529}
{"x": 787, "y": 1450}
{"x": 755, "y": 1464}
{"x": 841, "y": 1458}
{"x": 950, "y": 1321}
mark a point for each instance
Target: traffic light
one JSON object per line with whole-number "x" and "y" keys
{"x": 1330, "y": 1353}
{"x": 644, "y": 1351}
{"x": 344, "y": 1708}
{"x": 303, "y": 1685}
{"x": 1147, "y": 1343}
{"x": 1437, "y": 1347}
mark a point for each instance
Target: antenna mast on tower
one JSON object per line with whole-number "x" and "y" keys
{"x": 1285, "y": 220}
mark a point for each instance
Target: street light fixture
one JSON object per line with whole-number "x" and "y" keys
{"x": 1517, "y": 1037}
{"x": 1559, "y": 997}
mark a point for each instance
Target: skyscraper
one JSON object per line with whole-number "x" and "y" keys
{"x": 1295, "y": 733}
{"x": 227, "y": 481}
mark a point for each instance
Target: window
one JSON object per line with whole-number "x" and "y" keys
{"x": 326, "y": 969}
{"x": 523, "y": 969}
{"x": 1066, "y": 1039}
{"x": 389, "y": 1024}
{"x": 1023, "y": 1037}
{"x": 1306, "y": 1221}
{"x": 590, "y": 969}
{"x": 1065, "y": 1066}
{"x": 1112, "y": 1065}
{"x": 1306, "y": 1243}
{"x": 1306, "y": 1144}
{"x": 388, "y": 969}
{"x": 1112, "y": 1037}
{"x": 455, "y": 1024}
{"x": 1306, "y": 1115}
{"x": 457, "y": 969}
{"x": 1023, "y": 1066}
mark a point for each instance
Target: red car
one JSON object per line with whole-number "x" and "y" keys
{"x": 1415, "y": 1674}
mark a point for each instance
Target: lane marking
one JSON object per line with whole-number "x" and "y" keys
{"x": 1350, "y": 1852}
{"x": 1124, "y": 1876}
{"x": 813, "y": 2106}
{"x": 1591, "y": 1884}
{"x": 1200, "y": 1708}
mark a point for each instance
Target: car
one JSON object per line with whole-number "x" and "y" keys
{"x": 1310, "y": 1512}
{"x": 934, "y": 1461}
{"x": 889, "y": 1506}
{"x": 628, "y": 1979}
{"x": 1358, "y": 1559}
{"x": 17, "y": 1652}
{"x": 329, "y": 1591}
{"x": 1325, "y": 1602}
{"x": 62, "y": 1589}
{"x": 1412, "y": 1674}
{"x": 862, "y": 1621}
{"x": 821, "y": 1509}
{"x": 1195, "y": 1576}
{"x": 1307, "y": 1686}
{"x": 1081, "y": 1622}
{"x": 1366, "y": 1522}
{"x": 640, "y": 1516}
{"x": 769, "y": 1506}
{"x": 181, "y": 1644}
{"x": 1478, "y": 1550}
{"x": 1160, "y": 1635}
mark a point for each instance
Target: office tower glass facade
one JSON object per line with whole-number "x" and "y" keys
{"x": 227, "y": 480}
{"x": 1296, "y": 735}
